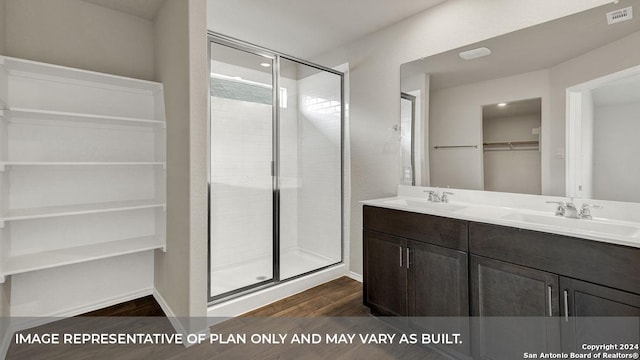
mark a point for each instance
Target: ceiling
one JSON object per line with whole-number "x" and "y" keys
{"x": 530, "y": 49}
{"x": 301, "y": 28}
{"x": 305, "y": 28}
{"x": 146, "y": 9}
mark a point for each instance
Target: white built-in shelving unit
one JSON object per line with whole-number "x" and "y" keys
{"x": 82, "y": 166}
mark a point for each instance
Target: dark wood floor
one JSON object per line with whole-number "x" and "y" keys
{"x": 334, "y": 307}
{"x": 144, "y": 306}
{"x": 340, "y": 297}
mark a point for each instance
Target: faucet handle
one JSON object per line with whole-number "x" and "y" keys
{"x": 445, "y": 196}
{"x": 560, "y": 210}
{"x": 433, "y": 196}
{"x": 585, "y": 213}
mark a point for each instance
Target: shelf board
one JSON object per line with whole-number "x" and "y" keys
{"x": 16, "y": 65}
{"x": 53, "y": 258}
{"x": 36, "y": 114}
{"x": 71, "y": 210}
{"x": 81, "y": 163}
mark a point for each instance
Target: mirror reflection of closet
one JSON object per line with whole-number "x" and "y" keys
{"x": 511, "y": 146}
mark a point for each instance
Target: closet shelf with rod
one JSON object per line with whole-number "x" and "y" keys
{"x": 437, "y": 147}
{"x": 511, "y": 145}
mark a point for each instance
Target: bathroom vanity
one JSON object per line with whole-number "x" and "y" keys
{"x": 456, "y": 259}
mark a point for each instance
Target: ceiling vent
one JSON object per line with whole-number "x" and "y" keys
{"x": 620, "y": 15}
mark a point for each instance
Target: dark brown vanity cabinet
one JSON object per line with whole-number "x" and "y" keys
{"x": 385, "y": 274}
{"x": 501, "y": 291}
{"x": 583, "y": 301}
{"x": 604, "y": 265}
{"x": 516, "y": 272}
{"x": 414, "y": 264}
{"x": 422, "y": 265}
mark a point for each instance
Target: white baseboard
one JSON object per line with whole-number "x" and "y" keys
{"x": 177, "y": 325}
{"x": 355, "y": 276}
{"x": 173, "y": 319}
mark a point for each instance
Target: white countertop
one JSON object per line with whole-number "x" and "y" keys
{"x": 537, "y": 218}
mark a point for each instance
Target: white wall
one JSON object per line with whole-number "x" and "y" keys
{"x": 375, "y": 80}
{"x": 73, "y": 289}
{"x": 456, "y": 119}
{"x": 180, "y": 52}
{"x": 2, "y": 26}
{"x": 81, "y": 35}
{"x": 615, "y": 160}
{"x": 592, "y": 65}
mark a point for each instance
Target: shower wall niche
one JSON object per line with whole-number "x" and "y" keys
{"x": 275, "y": 171}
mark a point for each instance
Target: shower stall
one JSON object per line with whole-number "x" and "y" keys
{"x": 275, "y": 169}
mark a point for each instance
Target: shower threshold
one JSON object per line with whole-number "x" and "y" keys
{"x": 293, "y": 262}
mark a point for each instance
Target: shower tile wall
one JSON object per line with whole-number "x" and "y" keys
{"x": 242, "y": 204}
{"x": 320, "y": 191}
{"x": 242, "y": 195}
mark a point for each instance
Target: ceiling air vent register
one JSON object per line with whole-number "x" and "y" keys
{"x": 620, "y": 15}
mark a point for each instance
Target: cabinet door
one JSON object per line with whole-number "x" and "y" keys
{"x": 438, "y": 281}
{"x": 595, "y": 314}
{"x": 502, "y": 291}
{"x": 439, "y": 293}
{"x": 385, "y": 274}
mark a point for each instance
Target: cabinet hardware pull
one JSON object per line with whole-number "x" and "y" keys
{"x": 549, "y": 294}
{"x": 400, "y": 252}
{"x": 408, "y": 258}
{"x": 566, "y": 306}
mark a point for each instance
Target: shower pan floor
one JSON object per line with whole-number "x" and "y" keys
{"x": 293, "y": 262}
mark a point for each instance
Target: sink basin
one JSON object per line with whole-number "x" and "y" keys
{"x": 597, "y": 226}
{"x": 424, "y": 204}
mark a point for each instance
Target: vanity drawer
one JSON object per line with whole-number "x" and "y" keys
{"x": 447, "y": 232}
{"x": 612, "y": 265}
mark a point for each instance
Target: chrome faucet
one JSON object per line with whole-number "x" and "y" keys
{"x": 561, "y": 209}
{"x": 585, "y": 212}
{"x": 570, "y": 211}
{"x": 567, "y": 210}
{"x": 434, "y": 197}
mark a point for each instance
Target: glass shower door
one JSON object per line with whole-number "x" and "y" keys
{"x": 310, "y": 168}
{"x": 241, "y": 179}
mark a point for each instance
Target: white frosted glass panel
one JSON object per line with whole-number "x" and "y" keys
{"x": 241, "y": 207}
{"x": 310, "y": 169}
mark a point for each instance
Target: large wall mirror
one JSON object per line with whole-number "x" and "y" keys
{"x": 553, "y": 109}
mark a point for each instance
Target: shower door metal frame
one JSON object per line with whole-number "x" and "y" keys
{"x": 216, "y": 38}
{"x": 412, "y": 99}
